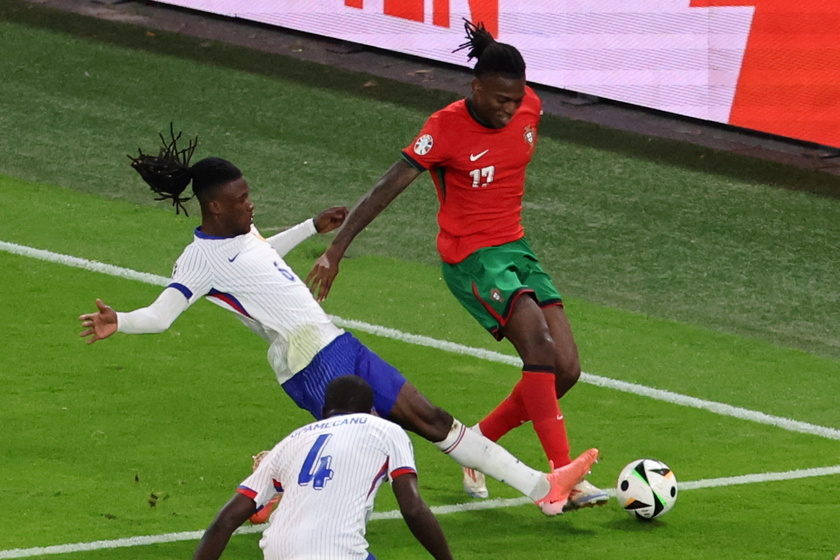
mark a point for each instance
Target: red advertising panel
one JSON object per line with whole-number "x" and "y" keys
{"x": 767, "y": 65}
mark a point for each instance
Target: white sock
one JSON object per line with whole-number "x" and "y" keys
{"x": 472, "y": 450}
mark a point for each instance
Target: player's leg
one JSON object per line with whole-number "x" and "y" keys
{"x": 584, "y": 494}
{"x": 400, "y": 401}
{"x": 508, "y": 414}
{"x": 487, "y": 284}
{"x": 567, "y": 360}
{"x": 567, "y": 363}
{"x": 550, "y": 492}
{"x": 530, "y": 335}
{"x": 496, "y": 285}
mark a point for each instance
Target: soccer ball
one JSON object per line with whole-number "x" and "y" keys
{"x": 646, "y": 488}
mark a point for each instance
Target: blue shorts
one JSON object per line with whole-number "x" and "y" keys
{"x": 345, "y": 356}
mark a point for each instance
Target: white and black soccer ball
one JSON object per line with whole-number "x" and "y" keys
{"x": 646, "y": 488}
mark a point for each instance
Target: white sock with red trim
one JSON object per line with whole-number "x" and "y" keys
{"x": 472, "y": 450}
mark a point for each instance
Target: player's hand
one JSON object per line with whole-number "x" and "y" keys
{"x": 330, "y": 219}
{"x": 323, "y": 274}
{"x": 99, "y": 325}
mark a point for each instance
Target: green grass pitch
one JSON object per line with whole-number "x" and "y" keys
{"x": 684, "y": 270}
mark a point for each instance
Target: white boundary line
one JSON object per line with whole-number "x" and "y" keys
{"x": 395, "y": 514}
{"x": 624, "y": 386}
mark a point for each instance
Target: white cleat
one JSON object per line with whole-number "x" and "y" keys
{"x": 475, "y": 484}
{"x": 585, "y": 495}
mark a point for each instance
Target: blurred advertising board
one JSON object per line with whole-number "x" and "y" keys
{"x": 767, "y": 65}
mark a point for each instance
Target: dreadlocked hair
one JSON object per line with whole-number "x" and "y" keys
{"x": 168, "y": 174}
{"x": 493, "y": 57}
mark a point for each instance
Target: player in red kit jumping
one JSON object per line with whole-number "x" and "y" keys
{"x": 477, "y": 150}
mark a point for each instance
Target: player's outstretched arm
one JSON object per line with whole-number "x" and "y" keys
{"x": 99, "y": 325}
{"x": 326, "y": 221}
{"x": 419, "y": 518}
{"x": 155, "y": 318}
{"x": 330, "y": 219}
{"x": 229, "y": 519}
{"x": 389, "y": 186}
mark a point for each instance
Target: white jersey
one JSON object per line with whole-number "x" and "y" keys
{"x": 329, "y": 472}
{"x": 247, "y": 275}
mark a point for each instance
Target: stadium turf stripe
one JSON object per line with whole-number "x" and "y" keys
{"x": 597, "y": 380}
{"x": 395, "y": 514}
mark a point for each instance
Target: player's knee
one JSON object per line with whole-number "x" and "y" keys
{"x": 432, "y": 423}
{"x": 539, "y": 348}
{"x": 422, "y": 417}
{"x": 438, "y": 424}
{"x": 567, "y": 374}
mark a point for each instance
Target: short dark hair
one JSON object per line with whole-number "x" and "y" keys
{"x": 493, "y": 57}
{"x": 212, "y": 172}
{"x": 168, "y": 173}
{"x": 348, "y": 393}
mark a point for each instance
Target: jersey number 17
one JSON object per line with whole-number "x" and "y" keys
{"x": 485, "y": 173}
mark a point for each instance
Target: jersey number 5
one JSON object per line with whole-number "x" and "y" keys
{"x": 485, "y": 173}
{"x": 316, "y": 468}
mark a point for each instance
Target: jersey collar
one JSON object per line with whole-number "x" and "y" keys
{"x": 201, "y": 235}
{"x": 474, "y": 115}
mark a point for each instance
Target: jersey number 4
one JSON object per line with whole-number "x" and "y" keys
{"x": 484, "y": 174}
{"x": 316, "y": 467}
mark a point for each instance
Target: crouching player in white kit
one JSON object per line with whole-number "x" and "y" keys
{"x": 329, "y": 472}
{"x": 231, "y": 264}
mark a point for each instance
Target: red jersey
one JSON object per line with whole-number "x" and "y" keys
{"x": 479, "y": 173}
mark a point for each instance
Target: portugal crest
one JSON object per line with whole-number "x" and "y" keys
{"x": 530, "y": 136}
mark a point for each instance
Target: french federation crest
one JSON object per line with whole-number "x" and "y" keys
{"x": 530, "y": 136}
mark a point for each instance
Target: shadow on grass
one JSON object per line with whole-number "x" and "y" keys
{"x": 630, "y": 524}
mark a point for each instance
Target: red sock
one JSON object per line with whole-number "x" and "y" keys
{"x": 539, "y": 397}
{"x": 509, "y": 414}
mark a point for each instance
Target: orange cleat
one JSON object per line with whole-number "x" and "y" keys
{"x": 262, "y": 515}
{"x": 563, "y": 480}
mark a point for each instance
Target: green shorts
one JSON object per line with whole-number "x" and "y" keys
{"x": 490, "y": 280}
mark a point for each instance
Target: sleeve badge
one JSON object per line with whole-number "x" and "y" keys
{"x": 423, "y": 145}
{"x": 530, "y": 136}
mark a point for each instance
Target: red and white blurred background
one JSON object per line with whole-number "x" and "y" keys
{"x": 766, "y": 65}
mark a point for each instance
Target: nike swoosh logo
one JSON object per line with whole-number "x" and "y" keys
{"x": 474, "y": 157}
{"x": 233, "y": 258}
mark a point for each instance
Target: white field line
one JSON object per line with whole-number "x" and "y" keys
{"x": 395, "y": 514}
{"x": 600, "y": 381}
